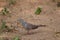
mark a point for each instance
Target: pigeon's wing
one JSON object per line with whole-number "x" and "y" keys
{"x": 32, "y": 26}
{"x": 29, "y": 26}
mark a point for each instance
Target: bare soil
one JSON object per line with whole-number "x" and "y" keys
{"x": 25, "y": 9}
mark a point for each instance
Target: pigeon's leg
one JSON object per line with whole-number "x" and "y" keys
{"x": 28, "y": 31}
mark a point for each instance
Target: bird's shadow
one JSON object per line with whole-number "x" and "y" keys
{"x": 31, "y": 33}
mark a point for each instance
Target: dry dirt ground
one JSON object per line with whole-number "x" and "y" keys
{"x": 25, "y": 9}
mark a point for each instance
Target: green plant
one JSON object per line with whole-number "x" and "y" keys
{"x": 16, "y": 38}
{"x": 12, "y": 2}
{"x": 4, "y": 11}
{"x": 57, "y": 32}
{"x": 58, "y": 4}
{"x": 38, "y": 11}
{"x": 3, "y": 26}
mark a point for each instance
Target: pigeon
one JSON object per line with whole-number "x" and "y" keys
{"x": 29, "y": 26}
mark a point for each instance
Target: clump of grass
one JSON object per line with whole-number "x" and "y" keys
{"x": 12, "y": 2}
{"x": 4, "y": 11}
{"x": 58, "y": 4}
{"x": 16, "y": 38}
{"x": 38, "y": 11}
{"x": 57, "y": 34}
{"x": 5, "y": 28}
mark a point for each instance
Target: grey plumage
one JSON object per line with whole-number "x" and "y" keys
{"x": 29, "y": 26}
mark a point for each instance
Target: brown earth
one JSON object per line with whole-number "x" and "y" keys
{"x": 25, "y": 9}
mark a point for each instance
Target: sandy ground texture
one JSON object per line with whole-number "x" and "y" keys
{"x": 25, "y": 9}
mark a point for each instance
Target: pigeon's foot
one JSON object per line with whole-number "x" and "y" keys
{"x": 29, "y": 32}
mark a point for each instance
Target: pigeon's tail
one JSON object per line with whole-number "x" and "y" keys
{"x": 41, "y": 25}
{"x": 36, "y": 26}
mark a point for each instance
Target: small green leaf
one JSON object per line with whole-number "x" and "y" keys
{"x": 3, "y": 25}
{"x": 38, "y": 11}
{"x": 16, "y": 38}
